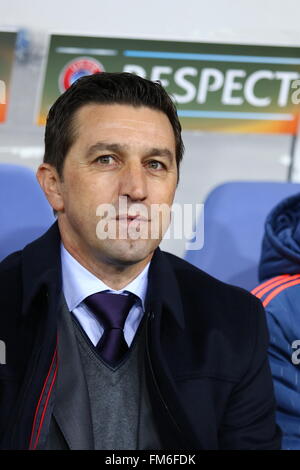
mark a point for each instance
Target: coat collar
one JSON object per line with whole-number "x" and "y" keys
{"x": 163, "y": 287}
{"x": 41, "y": 269}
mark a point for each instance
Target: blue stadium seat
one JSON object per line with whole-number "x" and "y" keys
{"x": 234, "y": 217}
{"x": 24, "y": 210}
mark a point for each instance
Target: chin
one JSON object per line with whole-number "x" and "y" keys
{"x": 130, "y": 251}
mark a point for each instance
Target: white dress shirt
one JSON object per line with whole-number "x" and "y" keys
{"x": 79, "y": 283}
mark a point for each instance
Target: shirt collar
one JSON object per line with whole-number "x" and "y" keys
{"x": 79, "y": 283}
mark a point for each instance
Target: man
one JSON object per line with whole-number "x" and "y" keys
{"x": 111, "y": 343}
{"x": 279, "y": 272}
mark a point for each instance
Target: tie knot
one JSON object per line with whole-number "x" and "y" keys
{"x": 111, "y": 309}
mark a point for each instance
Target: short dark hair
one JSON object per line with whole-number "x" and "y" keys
{"x": 103, "y": 88}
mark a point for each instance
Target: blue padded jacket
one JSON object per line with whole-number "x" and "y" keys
{"x": 279, "y": 272}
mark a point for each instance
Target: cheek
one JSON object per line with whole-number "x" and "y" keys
{"x": 79, "y": 189}
{"x": 78, "y": 201}
{"x": 164, "y": 194}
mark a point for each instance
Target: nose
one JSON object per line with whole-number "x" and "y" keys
{"x": 133, "y": 182}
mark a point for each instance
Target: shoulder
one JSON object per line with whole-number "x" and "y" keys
{"x": 281, "y": 299}
{"x": 279, "y": 289}
{"x": 10, "y": 268}
{"x": 228, "y": 313}
{"x": 228, "y": 320}
{"x": 10, "y": 282}
{"x": 192, "y": 278}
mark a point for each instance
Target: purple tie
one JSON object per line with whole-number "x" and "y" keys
{"x": 112, "y": 311}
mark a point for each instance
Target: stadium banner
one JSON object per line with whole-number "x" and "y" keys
{"x": 7, "y": 48}
{"x": 216, "y": 87}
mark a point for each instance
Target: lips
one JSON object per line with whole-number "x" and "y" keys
{"x": 129, "y": 218}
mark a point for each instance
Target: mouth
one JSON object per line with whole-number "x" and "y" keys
{"x": 130, "y": 218}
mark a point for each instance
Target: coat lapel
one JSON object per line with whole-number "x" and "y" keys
{"x": 72, "y": 406}
{"x": 166, "y": 332}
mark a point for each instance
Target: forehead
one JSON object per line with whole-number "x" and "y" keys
{"x": 94, "y": 121}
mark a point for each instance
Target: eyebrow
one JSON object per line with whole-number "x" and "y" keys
{"x": 114, "y": 147}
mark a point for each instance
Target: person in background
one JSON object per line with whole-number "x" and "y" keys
{"x": 279, "y": 272}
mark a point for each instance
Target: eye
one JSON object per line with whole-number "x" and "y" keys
{"x": 105, "y": 159}
{"x": 156, "y": 165}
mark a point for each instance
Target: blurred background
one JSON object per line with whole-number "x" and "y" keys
{"x": 213, "y": 156}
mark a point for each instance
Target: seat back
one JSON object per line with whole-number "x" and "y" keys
{"x": 234, "y": 218}
{"x": 25, "y": 213}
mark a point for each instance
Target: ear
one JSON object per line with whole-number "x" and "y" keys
{"x": 51, "y": 185}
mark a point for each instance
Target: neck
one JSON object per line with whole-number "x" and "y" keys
{"x": 114, "y": 274}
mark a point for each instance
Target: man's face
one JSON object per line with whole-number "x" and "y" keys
{"x": 119, "y": 151}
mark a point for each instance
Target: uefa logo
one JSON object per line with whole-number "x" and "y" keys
{"x": 77, "y": 68}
